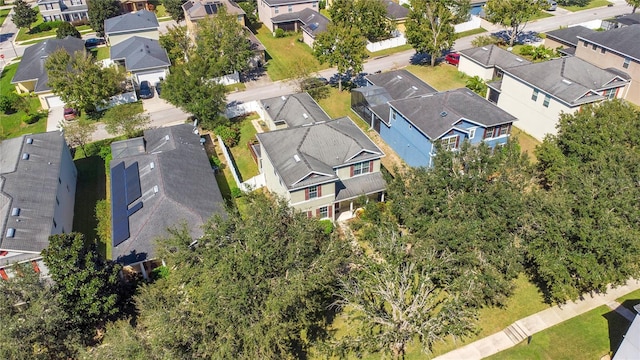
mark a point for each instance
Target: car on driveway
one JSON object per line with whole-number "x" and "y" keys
{"x": 452, "y": 58}
{"x": 93, "y": 42}
{"x": 145, "y": 90}
{"x": 70, "y": 113}
{"x": 158, "y": 88}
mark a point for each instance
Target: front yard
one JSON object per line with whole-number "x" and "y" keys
{"x": 12, "y": 124}
{"x": 37, "y": 32}
{"x": 592, "y": 4}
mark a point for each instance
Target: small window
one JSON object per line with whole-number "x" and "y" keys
{"x": 488, "y": 133}
{"x": 504, "y": 129}
{"x": 290, "y": 8}
{"x": 594, "y": 47}
{"x": 313, "y": 192}
{"x": 585, "y": 44}
{"x": 361, "y": 168}
{"x": 610, "y": 94}
{"x": 393, "y": 115}
{"x": 626, "y": 62}
{"x": 324, "y": 212}
{"x": 314, "y": 5}
{"x": 276, "y": 10}
{"x": 534, "y": 96}
{"x": 450, "y": 143}
{"x": 472, "y": 133}
{"x": 602, "y": 50}
{"x": 547, "y": 99}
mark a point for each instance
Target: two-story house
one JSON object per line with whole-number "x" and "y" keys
{"x": 143, "y": 58}
{"x": 308, "y": 21}
{"x": 37, "y": 197}
{"x": 196, "y": 10}
{"x": 65, "y": 10}
{"x": 617, "y": 50}
{"x": 268, "y": 9}
{"x": 322, "y": 169}
{"x": 566, "y": 40}
{"x": 488, "y": 62}
{"x": 142, "y": 24}
{"x": 291, "y": 111}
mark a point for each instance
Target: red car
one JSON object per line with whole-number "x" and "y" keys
{"x": 70, "y": 113}
{"x": 452, "y": 58}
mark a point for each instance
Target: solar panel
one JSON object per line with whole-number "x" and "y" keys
{"x": 133, "y": 183}
{"x": 134, "y": 208}
{"x": 211, "y": 8}
{"x": 125, "y": 189}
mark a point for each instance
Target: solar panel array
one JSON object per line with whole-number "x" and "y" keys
{"x": 125, "y": 189}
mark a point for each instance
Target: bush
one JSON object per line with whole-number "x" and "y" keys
{"x": 31, "y": 118}
{"x": 235, "y": 192}
{"x": 322, "y": 4}
{"x": 230, "y": 135}
{"x": 9, "y": 103}
{"x": 280, "y": 33}
{"x": 484, "y": 40}
{"x": 80, "y": 22}
{"x": 214, "y": 161}
{"x": 161, "y": 272}
{"x": 46, "y": 26}
{"x": 327, "y": 226}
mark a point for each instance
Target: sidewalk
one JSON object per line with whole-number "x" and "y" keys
{"x": 521, "y": 329}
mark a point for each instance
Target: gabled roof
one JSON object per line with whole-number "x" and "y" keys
{"x": 31, "y": 186}
{"x": 436, "y": 114}
{"x": 294, "y": 110}
{"x": 400, "y": 84}
{"x": 629, "y": 19}
{"x": 569, "y": 35}
{"x": 623, "y": 40}
{"x": 570, "y": 79}
{"x": 492, "y": 55}
{"x": 312, "y": 21}
{"x": 309, "y": 155}
{"x": 32, "y": 64}
{"x": 134, "y": 21}
{"x": 396, "y": 11}
{"x": 198, "y": 9}
{"x": 187, "y": 191}
{"x": 140, "y": 53}
{"x": 287, "y": 2}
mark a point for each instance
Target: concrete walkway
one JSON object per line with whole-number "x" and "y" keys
{"x": 523, "y": 328}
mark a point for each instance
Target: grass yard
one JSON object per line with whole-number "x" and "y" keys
{"x": 629, "y": 300}
{"x": 100, "y": 53}
{"x": 284, "y": 53}
{"x": 588, "y": 336}
{"x": 241, "y": 153}
{"x": 12, "y": 124}
{"x": 337, "y": 104}
{"x": 527, "y": 142}
{"x": 472, "y": 32}
{"x": 91, "y": 187}
{"x": 591, "y": 5}
{"x": 442, "y": 77}
{"x": 161, "y": 11}
{"x": 541, "y": 15}
{"x": 26, "y": 34}
{"x": 3, "y": 15}
{"x": 394, "y": 50}
{"x": 235, "y": 87}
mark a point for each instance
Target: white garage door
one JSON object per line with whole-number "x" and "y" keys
{"x": 54, "y": 101}
{"x": 152, "y": 77}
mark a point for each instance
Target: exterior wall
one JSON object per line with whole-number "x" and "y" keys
{"x": 191, "y": 27}
{"x": 553, "y": 44}
{"x": 266, "y": 12}
{"x": 25, "y": 87}
{"x": 120, "y": 37}
{"x": 473, "y": 69}
{"x": 328, "y": 195}
{"x": 534, "y": 118}
{"x": 345, "y": 171}
{"x": 272, "y": 180}
{"x": 54, "y": 12}
{"x": 613, "y": 60}
{"x": 410, "y": 144}
{"x": 66, "y": 194}
{"x": 307, "y": 39}
{"x": 43, "y": 101}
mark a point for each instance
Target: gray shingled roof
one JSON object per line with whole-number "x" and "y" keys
{"x": 134, "y": 21}
{"x": 492, "y": 55}
{"x": 623, "y": 40}
{"x": 312, "y": 21}
{"x": 32, "y": 64}
{"x": 140, "y": 53}
{"x": 569, "y": 35}
{"x": 197, "y": 9}
{"x": 187, "y": 189}
{"x": 568, "y": 79}
{"x": 290, "y": 109}
{"x": 396, "y": 11}
{"x": 308, "y": 155}
{"x": 287, "y": 2}
{"x": 425, "y": 112}
{"x": 30, "y": 185}
{"x": 360, "y": 185}
{"x": 629, "y": 19}
{"x": 400, "y": 84}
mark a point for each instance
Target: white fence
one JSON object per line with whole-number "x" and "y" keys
{"x": 120, "y": 99}
{"x": 236, "y": 110}
{"x": 227, "y": 157}
{"x": 387, "y": 44}
{"x": 593, "y": 24}
{"x": 474, "y": 23}
{"x": 228, "y": 79}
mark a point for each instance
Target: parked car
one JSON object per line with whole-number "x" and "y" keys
{"x": 158, "y": 88}
{"x": 145, "y": 90}
{"x": 452, "y": 58}
{"x": 93, "y": 42}
{"x": 70, "y": 113}
{"x": 552, "y": 5}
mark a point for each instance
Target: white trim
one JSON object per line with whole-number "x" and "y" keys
{"x": 310, "y": 173}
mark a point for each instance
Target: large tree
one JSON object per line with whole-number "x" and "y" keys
{"x": 79, "y": 132}
{"x": 634, "y": 4}
{"x": 430, "y": 27}
{"x": 80, "y": 81}
{"x": 177, "y": 43}
{"x": 370, "y": 16}
{"x": 67, "y": 29}
{"x": 101, "y": 10}
{"x": 23, "y": 14}
{"x": 125, "y": 120}
{"x": 174, "y": 7}
{"x": 343, "y": 47}
{"x": 513, "y": 14}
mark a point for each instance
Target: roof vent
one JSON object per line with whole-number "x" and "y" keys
{"x": 29, "y": 140}
{"x": 155, "y": 189}
{"x": 25, "y": 156}
{"x": 414, "y": 87}
{"x": 567, "y": 81}
{"x": 166, "y": 138}
{"x": 305, "y": 116}
{"x": 443, "y": 114}
{"x": 284, "y": 98}
{"x": 11, "y": 232}
{"x": 152, "y": 165}
{"x": 15, "y": 212}
{"x": 399, "y": 77}
{"x": 485, "y": 49}
{"x": 518, "y": 59}
{"x": 296, "y": 158}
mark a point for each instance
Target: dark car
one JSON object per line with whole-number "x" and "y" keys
{"x": 70, "y": 113}
{"x": 93, "y": 42}
{"x": 145, "y": 90}
{"x": 158, "y": 88}
{"x": 452, "y": 58}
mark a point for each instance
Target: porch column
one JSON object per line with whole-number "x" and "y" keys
{"x": 351, "y": 206}
{"x": 382, "y": 197}
{"x": 144, "y": 271}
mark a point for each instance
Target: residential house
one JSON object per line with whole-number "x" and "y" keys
{"x": 291, "y": 111}
{"x": 143, "y": 58}
{"x": 159, "y": 181}
{"x": 618, "y": 51}
{"x": 32, "y": 76}
{"x": 566, "y": 39}
{"x": 397, "y": 14}
{"x": 538, "y": 93}
{"x": 196, "y": 10}
{"x": 322, "y": 169}
{"x": 630, "y": 346}
{"x": 268, "y": 9}
{"x": 308, "y": 21}
{"x": 488, "y": 62}
{"x": 63, "y": 10}
{"x": 128, "y": 6}
{"x": 621, "y": 21}
{"x": 141, "y": 23}
{"x": 37, "y": 197}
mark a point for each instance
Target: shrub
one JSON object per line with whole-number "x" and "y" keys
{"x": 322, "y": 4}
{"x": 230, "y": 135}
{"x": 327, "y": 226}
{"x": 161, "y": 272}
{"x": 484, "y": 40}
{"x": 280, "y": 33}
{"x": 235, "y": 192}
{"x": 9, "y": 102}
{"x": 30, "y": 118}
{"x": 80, "y": 22}
{"x": 214, "y": 161}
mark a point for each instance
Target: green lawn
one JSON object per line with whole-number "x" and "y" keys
{"x": 11, "y": 124}
{"x": 394, "y": 50}
{"x": 284, "y": 53}
{"x": 527, "y": 142}
{"x": 629, "y": 300}
{"x": 100, "y": 53}
{"x": 591, "y": 5}
{"x": 241, "y": 154}
{"x": 3, "y": 15}
{"x": 91, "y": 187}
{"x": 235, "y": 87}
{"x": 588, "y": 336}
{"x": 337, "y": 104}
{"x": 472, "y": 32}
{"x": 541, "y": 15}
{"x": 26, "y": 34}
{"x": 161, "y": 11}
{"x": 442, "y": 77}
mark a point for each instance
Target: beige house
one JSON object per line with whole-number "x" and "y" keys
{"x": 488, "y": 62}
{"x": 268, "y": 9}
{"x": 617, "y": 50}
{"x": 65, "y": 10}
{"x": 566, "y": 40}
{"x": 291, "y": 110}
{"x": 322, "y": 169}
{"x": 32, "y": 76}
{"x": 142, "y": 24}
{"x": 195, "y": 10}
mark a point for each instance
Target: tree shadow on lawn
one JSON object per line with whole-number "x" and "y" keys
{"x": 618, "y": 327}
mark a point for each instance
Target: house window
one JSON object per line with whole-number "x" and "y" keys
{"x": 626, "y": 62}
{"x": 276, "y": 10}
{"x": 324, "y": 212}
{"x": 450, "y": 143}
{"x": 610, "y": 94}
{"x": 313, "y": 192}
{"x": 314, "y": 5}
{"x": 504, "y": 129}
{"x": 290, "y": 8}
{"x": 602, "y": 51}
{"x": 472, "y": 133}
{"x": 585, "y": 44}
{"x": 361, "y": 168}
{"x": 534, "y": 96}
{"x": 594, "y": 47}
{"x": 488, "y": 133}
{"x": 46, "y": 18}
{"x": 547, "y": 98}
{"x": 76, "y": 2}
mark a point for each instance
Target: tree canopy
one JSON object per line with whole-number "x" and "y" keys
{"x": 23, "y": 14}
{"x": 369, "y": 16}
{"x": 634, "y": 4}
{"x": 174, "y": 8}
{"x": 343, "y": 47}
{"x": 125, "y": 120}
{"x": 513, "y": 14}
{"x": 67, "y": 29}
{"x": 101, "y": 10}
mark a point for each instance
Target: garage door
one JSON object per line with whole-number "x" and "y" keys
{"x": 54, "y": 101}
{"x": 152, "y": 77}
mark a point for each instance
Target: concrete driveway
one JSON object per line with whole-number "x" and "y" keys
{"x": 56, "y": 116}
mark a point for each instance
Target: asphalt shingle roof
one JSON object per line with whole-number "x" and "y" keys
{"x": 396, "y": 11}
{"x": 569, "y": 35}
{"x": 312, "y": 21}
{"x": 624, "y": 40}
{"x": 493, "y": 55}
{"x": 291, "y": 109}
{"x": 196, "y": 9}
{"x": 32, "y": 64}
{"x": 436, "y": 114}
{"x": 140, "y": 53}
{"x": 139, "y": 20}
{"x": 400, "y": 84}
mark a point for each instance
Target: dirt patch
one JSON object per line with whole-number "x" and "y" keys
{"x": 391, "y": 161}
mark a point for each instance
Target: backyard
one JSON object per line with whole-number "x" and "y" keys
{"x": 592, "y": 4}
{"x": 100, "y": 53}
{"x": 12, "y": 124}
{"x": 91, "y": 187}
